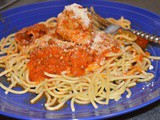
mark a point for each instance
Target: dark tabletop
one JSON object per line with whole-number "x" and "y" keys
{"x": 151, "y": 112}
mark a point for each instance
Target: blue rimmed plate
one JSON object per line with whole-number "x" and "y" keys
{"x": 18, "y": 106}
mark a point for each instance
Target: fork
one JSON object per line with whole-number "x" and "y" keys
{"x": 111, "y": 28}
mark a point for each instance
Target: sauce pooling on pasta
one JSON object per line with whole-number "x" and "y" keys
{"x": 142, "y": 42}
{"x": 55, "y": 60}
{"x": 28, "y": 35}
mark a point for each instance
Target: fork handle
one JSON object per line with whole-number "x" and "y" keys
{"x": 150, "y": 37}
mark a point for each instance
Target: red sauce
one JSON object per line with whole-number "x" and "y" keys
{"x": 142, "y": 42}
{"x": 140, "y": 57}
{"x": 27, "y": 35}
{"x": 54, "y": 59}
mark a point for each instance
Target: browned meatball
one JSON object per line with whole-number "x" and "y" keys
{"x": 74, "y": 24}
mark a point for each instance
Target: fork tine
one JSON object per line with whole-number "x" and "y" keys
{"x": 98, "y": 18}
{"x": 102, "y": 24}
{"x": 92, "y": 10}
{"x": 98, "y": 26}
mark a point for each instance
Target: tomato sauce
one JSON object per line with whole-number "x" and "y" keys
{"x": 54, "y": 60}
{"x": 28, "y": 35}
{"x": 142, "y": 42}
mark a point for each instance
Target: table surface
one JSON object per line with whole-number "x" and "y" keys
{"x": 151, "y": 112}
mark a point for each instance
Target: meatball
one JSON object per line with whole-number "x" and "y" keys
{"x": 74, "y": 24}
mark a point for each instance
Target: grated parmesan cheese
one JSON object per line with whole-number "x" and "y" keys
{"x": 79, "y": 12}
{"x": 97, "y": 39}
{"x": 43, "y": 41}
{"x": 97, "y": 43}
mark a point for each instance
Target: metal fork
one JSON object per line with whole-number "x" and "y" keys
{"x": 110, "y": 28}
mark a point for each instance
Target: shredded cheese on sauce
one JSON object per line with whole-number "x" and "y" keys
{"x": 96, "y": 42}
{"x": 97, "y": 39}
{"x": 79, "y": 12}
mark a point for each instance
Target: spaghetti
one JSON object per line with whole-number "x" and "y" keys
{"x": 92, "y": 66}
